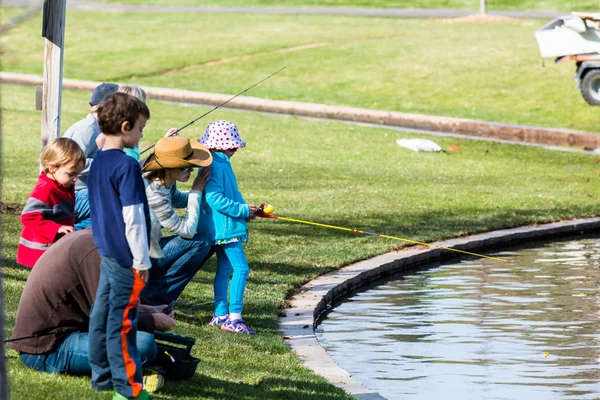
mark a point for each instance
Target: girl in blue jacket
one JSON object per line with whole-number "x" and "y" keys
{"x": 224, "y": 215}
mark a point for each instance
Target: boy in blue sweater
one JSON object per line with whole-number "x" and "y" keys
{"x": 224, "y": 214}
{"x": 121, "y": 221}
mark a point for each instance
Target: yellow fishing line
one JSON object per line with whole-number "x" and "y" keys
{"x": 341, "y": 228}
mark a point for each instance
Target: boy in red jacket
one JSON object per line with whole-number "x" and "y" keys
{"x": 49, "y": 211}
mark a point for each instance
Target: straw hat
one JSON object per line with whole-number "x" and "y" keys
{"x": 177, "y": 152}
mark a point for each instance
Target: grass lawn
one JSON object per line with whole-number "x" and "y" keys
{"x": 328, "y": 172}
{"x": 487, "y": 71}
{"x": 522, "y": 5}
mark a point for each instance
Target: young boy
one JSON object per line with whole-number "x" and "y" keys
{"x": 49, "y": 211}
{"x": 121, "y": 221}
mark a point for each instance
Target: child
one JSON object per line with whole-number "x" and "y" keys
{"x": 121, "y": 222}
{"x": 49, "y": 211}
{"x": 224, "y": 213}
{"x": 139, "y": 93}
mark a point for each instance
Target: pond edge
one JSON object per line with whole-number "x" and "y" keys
{"x": 313, "y": 300}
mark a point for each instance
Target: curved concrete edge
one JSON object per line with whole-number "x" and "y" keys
{"x": 461, "y": 126}
{"x": 317, "y": 297}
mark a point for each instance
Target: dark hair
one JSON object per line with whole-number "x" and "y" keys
{"x": 158, "y": 175}
{"x": 118, "y": 108}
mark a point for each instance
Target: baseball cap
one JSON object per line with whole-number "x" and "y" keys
{"x": 101, "y": 92}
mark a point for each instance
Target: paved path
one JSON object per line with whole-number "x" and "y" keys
{"x": 358, "y": 12}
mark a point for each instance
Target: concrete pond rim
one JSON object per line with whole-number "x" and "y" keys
{"x": 314, "y": 300}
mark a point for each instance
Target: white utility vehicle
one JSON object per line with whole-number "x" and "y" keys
{"x": 576, "y": 37}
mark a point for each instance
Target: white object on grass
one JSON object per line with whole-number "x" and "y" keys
{"x": 419, "y": 144}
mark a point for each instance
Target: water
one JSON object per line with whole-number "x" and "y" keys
{"x": 479, "y": 329}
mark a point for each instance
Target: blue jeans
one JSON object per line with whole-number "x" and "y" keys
{"x": 171, "y": 274}
{"x": 83, "y": 218}
{"x": 230, "y": 257}
{"x": 114, "y": 355}
{"x": 71, "y": 356}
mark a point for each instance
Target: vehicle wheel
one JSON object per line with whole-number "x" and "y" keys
{"x": 590, "y": 87}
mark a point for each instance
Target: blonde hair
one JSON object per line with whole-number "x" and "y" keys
{"x": 59, "y": 152}
{"x": 134, "y": 91}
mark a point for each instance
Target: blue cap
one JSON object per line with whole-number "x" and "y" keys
{"x": 101, "y": 92}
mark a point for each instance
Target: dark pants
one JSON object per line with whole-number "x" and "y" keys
{"x": 171, "y": 274}
{"x": 71, "y": 356}
{"x": 113, "y": 351}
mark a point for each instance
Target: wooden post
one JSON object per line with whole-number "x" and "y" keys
{"x": 483, "y": 7}
{"x": 53, "y": 29}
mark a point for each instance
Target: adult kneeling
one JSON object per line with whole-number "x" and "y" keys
{"x": 51, "y": 329}
{"x": 174, "y": 160}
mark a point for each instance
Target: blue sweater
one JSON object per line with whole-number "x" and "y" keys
{"x": 223, "y": 210}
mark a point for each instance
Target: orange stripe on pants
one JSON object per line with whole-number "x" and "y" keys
{"x": 130, "y": 367}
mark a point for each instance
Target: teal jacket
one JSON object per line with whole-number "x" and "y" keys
{"x": 223, "y": 210}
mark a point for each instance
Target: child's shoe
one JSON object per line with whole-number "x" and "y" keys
{"x": 144, "y": 395}
{"x": 237, "y": 326}
{"x": 218, "y": 321}
{"x": 153, "y": 380}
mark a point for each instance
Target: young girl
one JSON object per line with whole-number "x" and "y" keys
{"x": 183, "y": 253}
{"x": 224, "y": 213}
{"x": 49, "y": 211}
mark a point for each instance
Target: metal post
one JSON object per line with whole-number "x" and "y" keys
{"x": 53, "y": 29}
{"x": 483, "y": 7}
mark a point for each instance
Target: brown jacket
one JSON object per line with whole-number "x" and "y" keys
{"x": 59, "y": 293}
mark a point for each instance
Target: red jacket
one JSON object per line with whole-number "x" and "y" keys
{"x": 50, "y": 205}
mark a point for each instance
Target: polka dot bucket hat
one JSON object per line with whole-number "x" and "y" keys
{"x": 222, "y": 135}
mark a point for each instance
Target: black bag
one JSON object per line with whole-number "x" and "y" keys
{"x": 176, "y": 362}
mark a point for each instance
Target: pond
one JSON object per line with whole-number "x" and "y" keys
{"x": 478, "y": 329}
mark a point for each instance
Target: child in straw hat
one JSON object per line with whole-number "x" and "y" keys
{"x": 224, "y": 214}
{"x": 174, "y": 160}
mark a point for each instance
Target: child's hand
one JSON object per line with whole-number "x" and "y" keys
{"x": 65, "y": 229}
{"x": 172, "y": 132}
{"x": 201, "y": 179}
{"x": 144, "y": 274}
{"x": 252, "y": 208}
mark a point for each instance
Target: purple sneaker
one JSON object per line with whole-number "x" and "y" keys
{"x": 218, "y": 321}
{"x": 237, "y": 326}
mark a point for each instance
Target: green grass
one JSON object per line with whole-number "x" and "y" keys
{"x": 487, "y": 71}
{"x": 321, "y": 171}
{"x": 521, "y": 5}
{"x": 328, "y": 172}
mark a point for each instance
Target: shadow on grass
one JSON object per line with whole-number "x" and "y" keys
{"x": 271, "y": 388}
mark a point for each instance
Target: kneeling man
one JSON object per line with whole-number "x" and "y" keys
{"x": 54, "y": 310}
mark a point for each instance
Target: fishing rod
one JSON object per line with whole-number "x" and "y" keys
{"x": 220, "y": 105}
{"x": 266, "y": 210}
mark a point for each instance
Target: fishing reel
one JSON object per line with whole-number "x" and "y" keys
{"x": 264, "y": 210}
